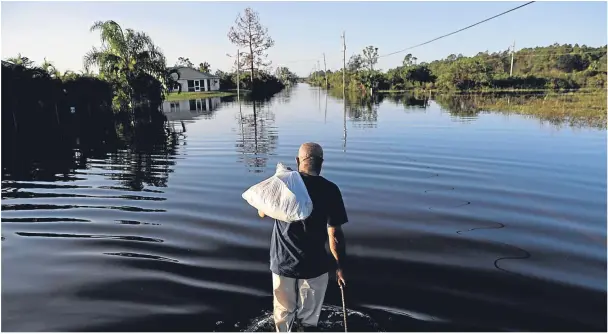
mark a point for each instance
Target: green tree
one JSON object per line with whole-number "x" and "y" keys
{"x": 204, "y": 67}
{"x": 125, "y": 57}
{"x": 21, "y": 60}
{"x": 286, "y": 76}
{"x": 570, "y": 63}
{"x": 409, "y": 60}
{"x": 465, "y": 73}
{"x": 355, "y": 63}
{"x": 396, "y": 78}
{"x": 50, "y": 69}
{"x": 420, "y": 74}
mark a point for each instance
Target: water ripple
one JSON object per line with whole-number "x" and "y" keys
{"x": 21, "y": 207}
{"x": 85, "y": 236}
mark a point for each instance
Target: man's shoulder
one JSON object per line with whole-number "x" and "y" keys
{"x": 327, "y": 183}
{"x": 332, "y": 184}
{"x": 332, "y": 188}
{"x": 321, "y": 182}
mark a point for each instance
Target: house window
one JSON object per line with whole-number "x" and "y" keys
{"x": 195, "y": 85}
{"x": 174, "y": 106}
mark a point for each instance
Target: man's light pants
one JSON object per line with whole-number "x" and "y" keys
{"x": 297, "y": 298}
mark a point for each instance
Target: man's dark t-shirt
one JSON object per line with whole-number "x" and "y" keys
{"x": 297, "y": 249}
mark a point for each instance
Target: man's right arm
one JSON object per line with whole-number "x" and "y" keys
{"x": 337, "y": 246}
{"x": 337, "y": 242}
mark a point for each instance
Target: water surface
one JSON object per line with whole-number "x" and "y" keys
{"x": 457, "y": 221}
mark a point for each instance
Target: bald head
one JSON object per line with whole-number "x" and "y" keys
{"x": 310, "y": 158}
{"x": 310, "y": 150}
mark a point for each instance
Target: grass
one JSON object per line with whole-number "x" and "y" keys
{"x": 202, "y": 95}
{"x": 577, "y": 109}
{"x": 487, "y": 90}
{"x": 583, "y": 107}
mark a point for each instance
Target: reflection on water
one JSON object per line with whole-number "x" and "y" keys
{"x": 258, "y": 136}
{"x": 147, "y": 154}
{"x": 578, "y": 110}
{"x": 189, "y": 109}
{"x": 495, "y": 224}
{"x": 344, "y": 126}
{"x": 463, "y": 108}
{"x": 364, "y": 113}
{"x": 410, "y": 101}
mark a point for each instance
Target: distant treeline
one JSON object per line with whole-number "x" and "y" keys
{"x": 130, "y": 85}
{"x": 552, "y": 67}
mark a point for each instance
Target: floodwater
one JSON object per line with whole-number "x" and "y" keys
{"x": 457, "y": 221}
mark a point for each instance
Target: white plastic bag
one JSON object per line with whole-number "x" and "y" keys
{"x": 283, "y": 196}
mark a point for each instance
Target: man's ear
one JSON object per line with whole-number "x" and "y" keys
{"x": 298, "y": 160}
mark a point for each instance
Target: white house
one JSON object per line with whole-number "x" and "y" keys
{"x": 196, "y": 81}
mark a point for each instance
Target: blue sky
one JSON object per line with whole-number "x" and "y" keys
{"x": 302, "y": 31}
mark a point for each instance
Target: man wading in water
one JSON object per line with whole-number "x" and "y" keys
{"x": 298, "y": 259}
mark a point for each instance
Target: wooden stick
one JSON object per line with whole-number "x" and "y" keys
{"x": 343, "y": 307}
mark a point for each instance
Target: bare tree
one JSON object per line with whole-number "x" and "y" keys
{"x": 248, "y": 33}
{"x": 184, "y": 62}
{"x": 370, "y": 57}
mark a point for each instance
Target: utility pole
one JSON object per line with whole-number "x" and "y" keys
{"x": 238, "y": 75}
{"x": 325, "y": 66}
{"x": 512, "y": 55}
{"x": 319, "y": 69}
{"x": 344, "y": 66}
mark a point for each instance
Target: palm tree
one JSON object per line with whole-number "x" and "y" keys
{"x": 20, "y": 60}
{"x": 125, "y": 56}
{"x": 50, "y": 69}
{"x": 68, "y": 74}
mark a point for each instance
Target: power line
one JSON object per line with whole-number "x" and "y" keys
{"x": 457, "y": 31}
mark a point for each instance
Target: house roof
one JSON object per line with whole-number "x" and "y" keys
{"x": 187, "y": 73}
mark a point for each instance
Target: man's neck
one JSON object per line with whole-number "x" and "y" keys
{"x": 308, "y": 172}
